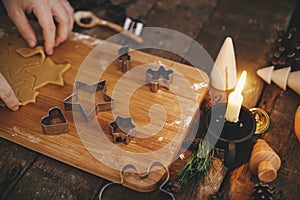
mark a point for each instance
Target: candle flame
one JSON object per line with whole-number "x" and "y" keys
{"x": 241, "y": 83}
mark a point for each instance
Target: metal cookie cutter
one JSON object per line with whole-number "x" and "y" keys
{"x": 55, "y": 122}
{"x": 142, "y": 176}
{"x": 71, "y": 102}
{"x": 122, "y": 129}
{"x": 160, "y": 77}
{"x": 124, "y": 58}
{"x": 133, "y": 25}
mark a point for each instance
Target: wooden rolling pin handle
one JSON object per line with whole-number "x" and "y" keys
{"x": 266, "y": 171}
{"x": 121, "y": 30}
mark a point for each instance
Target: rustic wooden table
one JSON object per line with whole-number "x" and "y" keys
{"x": 26, "y": 174}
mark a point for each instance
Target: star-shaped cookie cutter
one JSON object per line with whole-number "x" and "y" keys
{"x": 124, "y": 59}
{"x": 142, "y": 176}
{"x": 158, "y": 78}
{"x": 122, "y": 129}
{"x": 71, "y": 102}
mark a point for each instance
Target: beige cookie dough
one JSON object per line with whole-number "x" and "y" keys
{"x": 29, "y": 52}
{"x": 11, "y": 61}
{"x": 47, "y": 73}
{"x": 27, "y": 96}
{"x": 28, "y": 69}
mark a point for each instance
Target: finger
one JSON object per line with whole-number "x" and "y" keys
{"x": 64, "y": 20}
{"x": 70, "y": 11}
{"x": 8, "y": 95}
{"x": 21, "y": 22}
{"x": 63, "y": 27}
{"x": 44, "y": 16}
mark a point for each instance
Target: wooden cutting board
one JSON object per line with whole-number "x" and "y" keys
{"x": 158, "y": 138}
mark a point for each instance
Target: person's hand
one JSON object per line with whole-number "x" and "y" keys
{"x": 47, "y": 12}
{"x": 7, "y": 95}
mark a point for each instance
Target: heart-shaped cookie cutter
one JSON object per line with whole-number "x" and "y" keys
{"x": 142, "y": 176}
{"x": 55, "y": 122}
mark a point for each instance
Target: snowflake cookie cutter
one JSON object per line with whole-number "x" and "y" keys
{"x": 122, "y": 129}
{"x": 55, "y": 122}
{"x": 71, "y": 102}
{"x": 158, "y": 78}
{"x": 142, "y": 176}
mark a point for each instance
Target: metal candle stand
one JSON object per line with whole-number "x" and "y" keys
{"x": 235, "y": 138}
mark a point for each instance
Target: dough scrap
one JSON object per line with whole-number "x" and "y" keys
{"x": 27, "y": 69}
{"x": 28, "y": 80}
{"x": 28, "y": 52}
{"x": 14, "y": 83}
{"x": 27, "y": 96}
{"x": 14, "y": 63}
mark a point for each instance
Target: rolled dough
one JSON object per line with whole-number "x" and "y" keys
{"x": 28, "y": 69}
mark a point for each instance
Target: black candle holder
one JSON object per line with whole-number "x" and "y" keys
{"x": 235, "y": 138}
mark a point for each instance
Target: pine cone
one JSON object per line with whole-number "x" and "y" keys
{"x": 263, "y": 191}
{"x": 286, "y": 49}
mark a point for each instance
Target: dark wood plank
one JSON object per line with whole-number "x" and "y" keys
{"x": 14, "y": 161}
{"x": 185, "y": 16}
{"x": 117, "y": 192}
{"x": 50, "y": 178}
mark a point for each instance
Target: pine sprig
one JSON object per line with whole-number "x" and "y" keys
{"x": 198, "y": 164}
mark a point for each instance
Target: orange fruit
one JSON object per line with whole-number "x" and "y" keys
{"x": 297, "y": 123}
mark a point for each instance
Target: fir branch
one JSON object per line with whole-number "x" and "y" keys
{"x": 198, "y": 164}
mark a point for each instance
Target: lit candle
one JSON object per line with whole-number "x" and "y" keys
{"x": 235, "y": 100}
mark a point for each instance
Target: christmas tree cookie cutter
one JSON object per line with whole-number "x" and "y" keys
{"x": 71, "y": 102}
{"x": 142, "y": 176}
{"x": 158, "y": 78}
